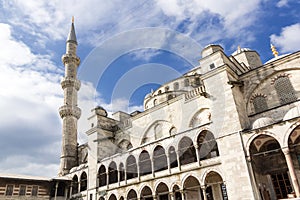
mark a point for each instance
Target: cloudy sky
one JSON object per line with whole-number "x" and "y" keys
{"x": 126, "y": 48}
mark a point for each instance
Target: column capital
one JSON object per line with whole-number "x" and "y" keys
{"x": 248, "y": 158}
{"x": 203, "y": 187}
{"x": 285, "y": 150}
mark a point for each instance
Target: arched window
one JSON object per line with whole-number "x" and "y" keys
{"x": 121, "y": 172}
{"x": 102, "y": 176}
{"x": 75, "y": 185}
{"x": 131, "y": 168}
{"x": 177, "y": 193}
{"x": 155, "y": 102}
{"x": 159, "y": 159}
{"x": 112, "y": 173}
{"x": 173, "y": 157}
{"x": 260, "y": 103}
{"x": 208, "y": 147}
{"x": 187, "y": 152}
{"x": 162, "y": 191}
{"x": 146, "y": 193}
{"x": 170, "y": 96}
{"x": 285, "y": 90}
{"x": 132, "y": 195}
{"x": 186, "y": 82}
{"x": 176, "y": 86}
{"x": 83, "y": 182}
{"x": 112, "y": 197}
{"x": 145, "y": 163}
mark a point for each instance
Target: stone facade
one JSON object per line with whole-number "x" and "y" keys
{"x": 227, "y": 129}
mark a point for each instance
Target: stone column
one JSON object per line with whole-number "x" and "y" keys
{"x": 172, "y": 195}
{"x": 291, "y": 168}
{"x": 107, "y": 178}
{"x": 203, "y": 188}
{"x": 168, "y": 163}
{"x": 125, "y": 173}
{"x": 119, "y": 177}
{"x": 138, "y": 170}
{"x": 71, "y": 188}
{"x": 252, "y": 178}
{"x": 182, "y": 194}
{"x": 197, "y": 153}
{"x": 152, "y": 166}
{"x": 178, "y": 160}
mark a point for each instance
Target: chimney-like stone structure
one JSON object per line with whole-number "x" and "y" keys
{"x": 69, "y": 112}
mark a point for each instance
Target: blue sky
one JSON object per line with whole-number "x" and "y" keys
{"x": 126, "y": 48}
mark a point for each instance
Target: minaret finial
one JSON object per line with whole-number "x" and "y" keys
{"x": 274, "y": 51}
{"x": 73, "y": 19}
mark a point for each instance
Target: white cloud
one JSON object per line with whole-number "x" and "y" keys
{"x": 288, "y": 40}
{"x": 282, "y": 3}
{"x": 51, "y": 18}
{"x": 29, "y": 98}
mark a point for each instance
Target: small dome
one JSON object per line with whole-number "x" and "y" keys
{"x": 240, "y": 50}
{"x": 101, "y": 111}
{"x": 261, "y": 122}
{"x": 148, "y": 95}
{"x": 292, "y": 113}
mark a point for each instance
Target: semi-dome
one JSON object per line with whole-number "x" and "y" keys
{"x": 261, "y": 122}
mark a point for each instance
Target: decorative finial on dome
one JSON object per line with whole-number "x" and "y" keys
{"x": 239, "y": 50}
{"x": 72, "y": 19}
{"x": 274, "y": 51}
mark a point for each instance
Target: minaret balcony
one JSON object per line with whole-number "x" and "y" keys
{"x": 68, "y": 110}
{"x": 70, "y": 82}
{"x": 69, "y": 58}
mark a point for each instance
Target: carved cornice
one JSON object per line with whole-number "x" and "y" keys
{"x": 69, "y": 58}
{"x": 68, "y": 110}
{"x": 70, "y": 82}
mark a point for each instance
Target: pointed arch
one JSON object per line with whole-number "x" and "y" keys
{"x": 132, "y": 195}
{"x": 121, "y": 172}
{"x": 173, "y": 157}
{"x": 146, "y": 193}
{"x": 159, "y": 159}
{"x": 112, "y": 173}
{"x": 145, "y": 166}
{"x": 131, "y": 167}
{"x": 158, "y": 129}
{"x": 207, "y": 145}
{"x": 202, "y": 116}
{"x": 112, "y": 197}
{"x": 102, "y": 176}
{"x": 75, "y": 184}
{"x": 186, "y": 150}
{"x": 83, "y": 182}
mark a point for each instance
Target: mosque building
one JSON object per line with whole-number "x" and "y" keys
{"x": 227, "y": 129}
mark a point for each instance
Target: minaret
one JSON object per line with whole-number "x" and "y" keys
{"x": 69, "y": 112}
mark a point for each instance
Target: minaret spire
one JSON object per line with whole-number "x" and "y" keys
{"x": 72, "y": 35}
{"x": 69, "y": 112}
